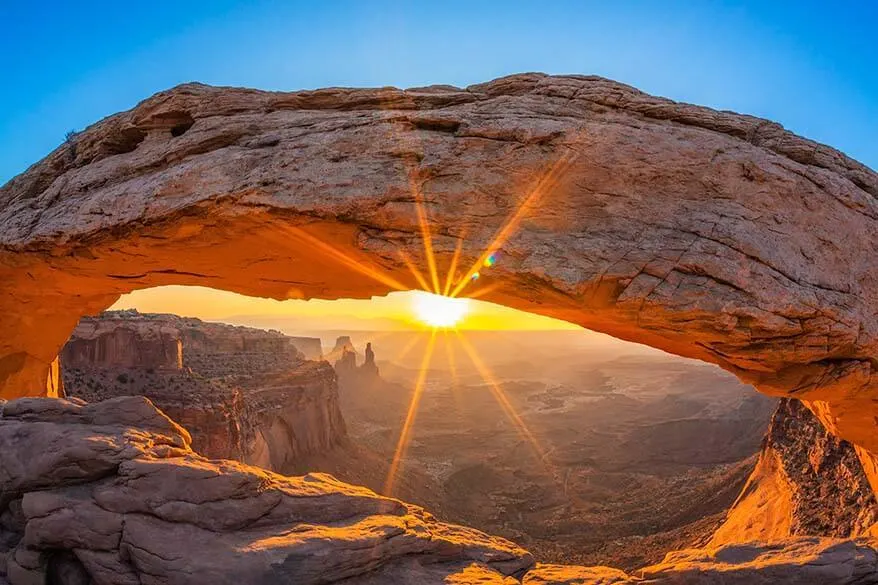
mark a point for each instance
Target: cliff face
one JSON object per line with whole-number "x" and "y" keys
{"x": 244, "y": 394}
{"x": 122, "y": 344}
{"x": 293, "y": 414}
{"x": 806, "y": 483}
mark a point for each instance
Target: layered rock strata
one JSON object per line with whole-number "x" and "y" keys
{"x": 244, "y": 394}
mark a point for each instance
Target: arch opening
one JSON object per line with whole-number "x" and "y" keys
{"x": 508, "y": 423}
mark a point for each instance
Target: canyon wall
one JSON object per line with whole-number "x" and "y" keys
{"x": 243, "y": 393}
{"x": 807, "y": 482}
{"x": 122, "y": 344}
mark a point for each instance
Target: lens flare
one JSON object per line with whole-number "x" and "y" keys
{"x": 438, "y": 310}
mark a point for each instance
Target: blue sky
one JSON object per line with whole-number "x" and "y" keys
{"x": 813, "y": 66}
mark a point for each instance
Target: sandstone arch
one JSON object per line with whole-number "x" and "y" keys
{"x": 708, "y": 234}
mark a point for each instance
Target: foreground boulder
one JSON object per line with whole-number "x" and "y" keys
{"x": 113, "y": 491}
{"x": 798, "y": 561}
{"x": 112, "y": 494}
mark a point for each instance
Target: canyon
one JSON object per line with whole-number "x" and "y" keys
{"x": 243, "y": 393}
{"x": 710, "y": 235}
{"x": 629, "y": 453}
{"x": 105, "y": 493}
{"x": 670, "y": 444}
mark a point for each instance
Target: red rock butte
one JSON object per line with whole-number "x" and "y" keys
{"x": 707, "y": 234}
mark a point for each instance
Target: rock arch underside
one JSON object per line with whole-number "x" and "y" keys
{"x": 708, "y": 234}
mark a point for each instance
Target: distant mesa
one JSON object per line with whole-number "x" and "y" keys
{"x": 343, "y": 344}
{"x": 346, "y": 365}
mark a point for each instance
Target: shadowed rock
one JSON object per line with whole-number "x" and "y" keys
{"x": 806, "y": 483}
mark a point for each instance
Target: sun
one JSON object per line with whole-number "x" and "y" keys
{"x": 438, "y": 310}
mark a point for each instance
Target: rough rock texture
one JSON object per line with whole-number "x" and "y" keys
{"x": 120, "y": 494}
{"x": 243, "y": 393}
{"x": 567, "y": 575}
{"x": 111, "y": 493}
{"x": 708, "y": 234}
{"x": 800, "y": 561}
{"x": 806, "y": 482}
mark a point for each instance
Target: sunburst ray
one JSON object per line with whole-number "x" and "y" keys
{"x": 405, "y": 433}
{"x": 426, "y": 235}
{"x": 459, "y": 402}
{"x": 417, "y": 337}
{"x": 544, "y": 184}
{"x": 485, "y": 290}
{"x": 452, "y": 268}
{"x": 415, "y": 147}
{"x": 419, "y": 277}
{"x": 357, "y": 265}
{"x": 501, "y": 397}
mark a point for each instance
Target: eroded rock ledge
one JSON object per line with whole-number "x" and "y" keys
{"x": 708, "y": 234}
{"x": 116, "y": 484}
{"x": 111, "y": 493}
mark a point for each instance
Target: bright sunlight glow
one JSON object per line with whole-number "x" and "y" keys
{"x": 439, "y": 311}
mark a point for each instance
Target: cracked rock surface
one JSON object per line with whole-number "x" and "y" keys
{"x": 712, "y": 235}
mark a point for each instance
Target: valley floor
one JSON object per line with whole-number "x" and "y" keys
{"x": 620, "y": 463}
